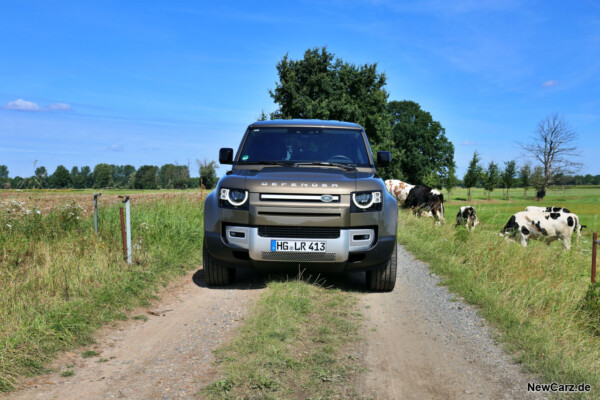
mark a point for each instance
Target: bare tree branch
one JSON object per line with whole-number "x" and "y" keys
{"x": 553, "y": 145}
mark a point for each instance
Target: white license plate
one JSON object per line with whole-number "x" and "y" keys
{"x": 306, "y": 246}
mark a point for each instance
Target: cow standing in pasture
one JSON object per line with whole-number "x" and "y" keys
{"x": 467, "y": 216}
{"x": 577, "y": 228}
{"x": 423, "y": 199}
{"x": 398, "y": 189}
{"x": 539, "y": 225}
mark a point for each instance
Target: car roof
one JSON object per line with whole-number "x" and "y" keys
{"x": 305, "y": 122}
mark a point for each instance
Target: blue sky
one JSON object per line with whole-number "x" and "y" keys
{"x": 155, "y": 82}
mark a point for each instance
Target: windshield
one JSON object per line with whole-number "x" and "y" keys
{"x": 304, "y": 144}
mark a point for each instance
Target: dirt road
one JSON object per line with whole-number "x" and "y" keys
{"x": 425, "y": 344}
{"x": 421, "y": 344}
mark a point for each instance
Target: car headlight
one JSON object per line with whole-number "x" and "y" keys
{"x": 233, "y": 197}
{"x": 366, "y": 201}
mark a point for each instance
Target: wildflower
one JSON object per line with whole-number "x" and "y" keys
{"x": 9, "y": 226}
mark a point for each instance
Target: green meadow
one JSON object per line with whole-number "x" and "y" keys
{"x": 539, "y": 298}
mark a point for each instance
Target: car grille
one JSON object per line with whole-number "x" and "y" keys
{"x": 295, "y": 256}
{"x": 299, "y": 232}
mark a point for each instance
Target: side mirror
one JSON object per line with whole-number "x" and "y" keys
{"x": 384, "y": 158}
{"x": 226, "y": 155}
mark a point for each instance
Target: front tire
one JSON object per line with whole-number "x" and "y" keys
{"x": 384, "y": 279}
{"x": 215, "y": 273}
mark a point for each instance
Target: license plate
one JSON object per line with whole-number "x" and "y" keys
{"x": 306, "y": 246}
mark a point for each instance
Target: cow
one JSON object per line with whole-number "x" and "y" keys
{"x": 531, "y": 224}
{"x": 466, "y": 215}
{"x": 422, "y": 199}
{"x": 577, "y": 228}
{"x": 398, "y": 189}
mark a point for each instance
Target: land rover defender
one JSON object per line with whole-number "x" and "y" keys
{"x": 301, "y": 194}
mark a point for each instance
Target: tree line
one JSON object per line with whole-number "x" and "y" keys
{"x": 168, "y": 176}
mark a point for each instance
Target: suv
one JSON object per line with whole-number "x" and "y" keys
{"x": 301, "y": 194}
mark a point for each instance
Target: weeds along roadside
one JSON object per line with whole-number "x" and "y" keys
{"x": 60, "y": 281}
{"x": 536, "y": 296}
{"x": 295, "y": 344}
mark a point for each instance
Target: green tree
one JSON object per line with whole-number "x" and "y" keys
{"x": 491, "y": 178}
{"x": 41, "y": 177}
{"x": 121, "y": 174}
{"x": 432, "y": 180}
{"x": 61, "y": 178}
{"x": 4, "y": 176}
{"x": 146, "y": 177}
{"x": 538, "y": 181}
{"x": 449, "y": 180}
{"x": 423, "y": 141}
{"x": 208, "y": 173}
{"x": 102, "y": 176}
{"x": 174, "y": 176}
{"x": 320, "y": 87}
{"x": 509, "y": 176}
{"x": 473, "y": 174}
{"x": 524, "y": 177}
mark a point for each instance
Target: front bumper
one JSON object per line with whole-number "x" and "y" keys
{"x": 355, "y": 249}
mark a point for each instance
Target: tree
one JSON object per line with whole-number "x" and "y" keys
{"x": 423, "y": 141}
{"x": 432, "y": 180}
{"x": 473, "y": 174}
{"x": 102, "y": 176}
{"x": 41, "y": 176}
{"x": 121, "y": 174}
{"x": 491, "y": 178}
{"x": 146, "y": 177}
{"x": 537, "y": 181}
{"x": 61, "y": 178}
{"x": 553, "y": 145}
{"x": 3, "y": 174}
{"x": 524, "y": 177}
{"x": 320, "y": 87}
{"x": 509, "y": 176}
{"x": 77, "y": 179}
{"x": 174, "y": 176}
{"x": 208, "y": 173}
{"x": 449, "y": 180}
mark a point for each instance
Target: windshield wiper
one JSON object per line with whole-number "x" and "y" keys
{"x": 265, "y": 162}
{"x": 346, "y": 167}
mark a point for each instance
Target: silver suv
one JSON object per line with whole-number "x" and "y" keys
{"x": 301, "y": 194}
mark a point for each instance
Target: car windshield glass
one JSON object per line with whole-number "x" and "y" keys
{"x": 270, "y": 145}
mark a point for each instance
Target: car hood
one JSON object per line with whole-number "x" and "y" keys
{"x": 300, "y": 180}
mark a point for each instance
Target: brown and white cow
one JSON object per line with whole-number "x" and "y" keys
{"x": 541, "y": 225}
{"x": 577, "y": 228}
{"x": 467, "y": 216}
{"x": 398, "y": 189}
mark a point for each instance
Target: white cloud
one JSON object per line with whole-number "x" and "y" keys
{"x": 550, "y": 83}
{"x": 22, "y": 105}
{"x": 469, "y": 142}
{"x": 112, "y": 147}
{"x": 59, "y": 107}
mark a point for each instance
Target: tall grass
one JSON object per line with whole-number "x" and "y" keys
{"x": 536, "y": 296}
{"x": 61, "y": 281}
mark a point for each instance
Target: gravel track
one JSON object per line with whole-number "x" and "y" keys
{"x": 423, "y": 343}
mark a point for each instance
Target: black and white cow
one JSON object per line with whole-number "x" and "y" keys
{"x": 539, "y": 225}
{"x": 423, "y": 199}
{"x": 577, "y": 228}
{"x": 467, "y": 216}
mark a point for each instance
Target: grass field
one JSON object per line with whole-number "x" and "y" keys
{"x": 60, "y": 281}
{"x": 539, "y": 297}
